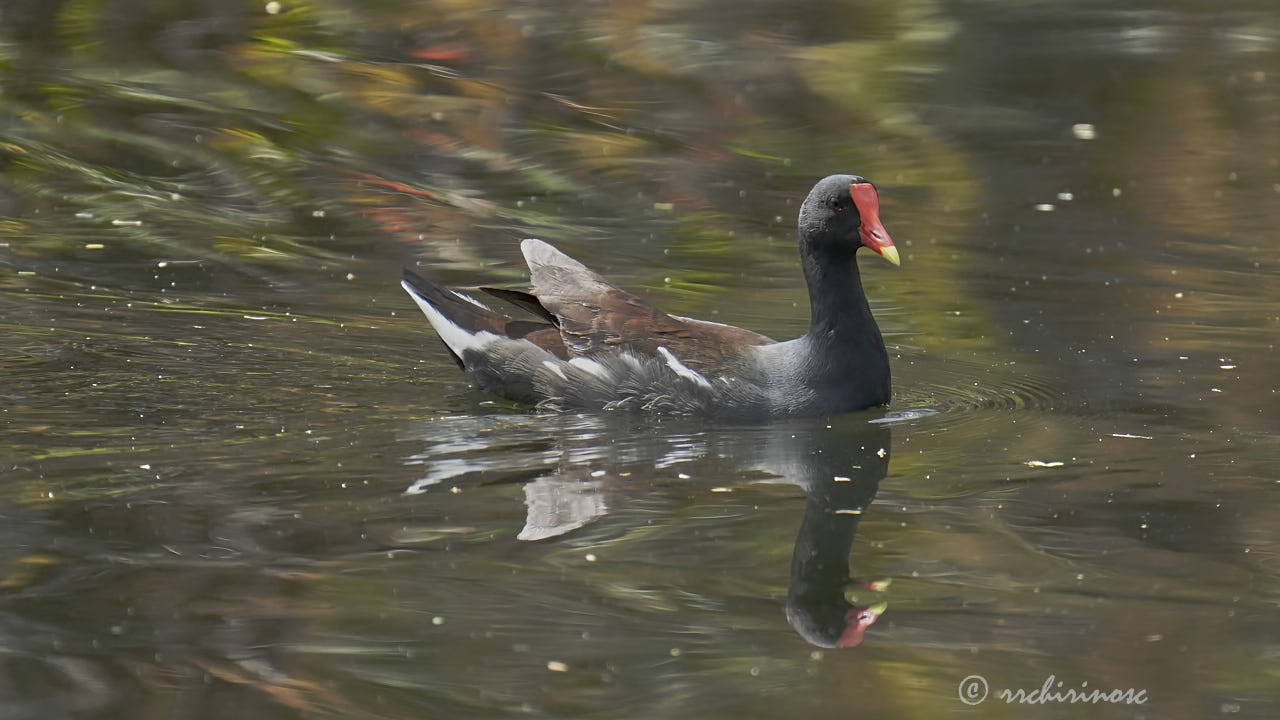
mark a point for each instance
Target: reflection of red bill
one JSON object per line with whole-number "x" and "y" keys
{"x": 857, "y": 620}
{"x": 871, "y": 231}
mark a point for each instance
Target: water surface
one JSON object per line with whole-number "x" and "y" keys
{"x": 240, "y": 478}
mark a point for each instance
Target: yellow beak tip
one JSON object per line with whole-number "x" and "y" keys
{"x": 891, "y": 254}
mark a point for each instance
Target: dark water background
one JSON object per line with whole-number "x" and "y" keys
{"x": 240, "y": 479}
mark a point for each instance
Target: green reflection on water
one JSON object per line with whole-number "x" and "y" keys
{"x": 210, "y": 421}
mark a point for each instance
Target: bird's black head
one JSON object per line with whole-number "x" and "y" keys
{"x": 841, "y": 214}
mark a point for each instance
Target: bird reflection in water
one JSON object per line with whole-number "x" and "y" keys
{"x": 599, "y": 464}
{"x": 840, "y": 480}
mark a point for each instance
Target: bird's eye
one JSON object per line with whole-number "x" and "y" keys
{"x": 835, "y": 203}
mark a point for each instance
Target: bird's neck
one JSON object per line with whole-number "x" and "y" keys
{"x": 839, "y": 312}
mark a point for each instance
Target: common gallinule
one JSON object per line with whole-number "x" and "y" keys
{"x": 595, "y": 346}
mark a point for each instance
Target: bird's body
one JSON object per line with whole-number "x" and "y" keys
{"x": 595, "y": 346}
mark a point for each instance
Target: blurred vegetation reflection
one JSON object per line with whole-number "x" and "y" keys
{"x": 237, "y": 477}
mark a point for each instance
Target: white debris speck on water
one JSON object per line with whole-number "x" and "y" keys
{"x": 1045, "y": 207}
{"x": 557, "y": 666}
{"x": 1044, "y": 463}
{"x": 1084, "y": 131}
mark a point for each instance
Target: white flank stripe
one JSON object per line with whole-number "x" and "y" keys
{"x": 590, "y": 366}
{"x": 553, "y": 367}
{"x": 630, "y": 359}
{"x": 455, "y": 337}
{"x": 680, "y": 368}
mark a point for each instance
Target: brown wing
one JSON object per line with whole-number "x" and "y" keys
{"x": 594, "y": 316}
